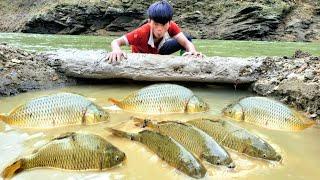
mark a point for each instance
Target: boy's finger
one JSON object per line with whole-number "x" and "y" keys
{"x": 125, "y": 55}
{"x": 118, "y": 58}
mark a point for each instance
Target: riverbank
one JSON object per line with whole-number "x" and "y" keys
{"x": 293, "y": 80}
{"x": 22, "y": 71}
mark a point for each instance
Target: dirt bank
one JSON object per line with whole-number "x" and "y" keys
{"x": 21, "y": 71}
{"x": 293, "y": 80}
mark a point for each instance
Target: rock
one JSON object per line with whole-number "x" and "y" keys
{"x": 309, "y": 74}
{"x": 300, "y": 54}
{"x": 78, "y": 19}
{"x": 243, "y": 20}
{"x": 22, "y": 74}
{"x": 263, "y": 87}
{"x": 16, "y": 61}
{"x": 248, "y": 23}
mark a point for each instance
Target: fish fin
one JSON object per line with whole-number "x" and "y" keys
{"x": 114, "y": 101}
{"x": 36, "y": 141}
{"x": 3, "y": 117}
{"x": 131, "y": 136}
{"x": 65, "y": 135}
{"x": 111, "y": 108}
{"x": 144, "y": 122}
{"x": 12, "y": 169}
{"x": 306, "y": 121}
{"x": 177, "y": 122}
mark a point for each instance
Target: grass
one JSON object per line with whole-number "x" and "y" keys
{"x": 37, "y": 42}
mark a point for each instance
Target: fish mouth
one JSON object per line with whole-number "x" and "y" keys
{"x": 199, "y": 173}
{"x": 278, "y": 157}
{"x": 231, "y": 165}
{"x": 227, "y": 107}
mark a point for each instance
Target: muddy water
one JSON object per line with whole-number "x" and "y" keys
{"x": 300, "y": 151}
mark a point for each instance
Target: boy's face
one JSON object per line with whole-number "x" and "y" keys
{"x": 159, "y": 29}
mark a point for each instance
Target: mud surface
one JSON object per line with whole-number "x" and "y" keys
{"x": 21, "y": 71}
{"x": 293, "y": 80}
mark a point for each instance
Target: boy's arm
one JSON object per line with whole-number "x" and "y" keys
{"x": 117, "y": 53}
{"x": 183, "y": 41}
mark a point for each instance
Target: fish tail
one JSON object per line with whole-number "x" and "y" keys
{"x": 3, "y": 117}
{"x": 12, "y": 169}
{"x": 114, "y": 101}
{"x": 131, "y": 136}
{"x": 306, "y": 121}
{"x": 144, "y": 122}
{"x": 310, "y": 123}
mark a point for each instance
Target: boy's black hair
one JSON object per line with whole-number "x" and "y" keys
{"x": 160, "y": 12}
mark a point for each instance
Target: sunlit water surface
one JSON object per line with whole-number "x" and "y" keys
{"x": 226, "y": 48}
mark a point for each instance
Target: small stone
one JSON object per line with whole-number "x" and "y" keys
{"x": 54, "y": 78}
{"x": 17, "y": 61}
{"x": 313, "y": 115}
{"x": 309, "y": 74}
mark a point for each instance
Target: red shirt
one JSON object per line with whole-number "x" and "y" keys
{"x": 141, "y": 40}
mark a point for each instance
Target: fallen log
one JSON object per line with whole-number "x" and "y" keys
{"x": 148, "y": 67}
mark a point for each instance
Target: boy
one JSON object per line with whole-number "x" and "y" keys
{"x": 159, "y": 36}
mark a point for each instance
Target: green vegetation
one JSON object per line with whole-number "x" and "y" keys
{"x": 36, "y": 42}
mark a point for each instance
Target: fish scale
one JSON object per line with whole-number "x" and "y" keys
{"x": 236, "y": 138}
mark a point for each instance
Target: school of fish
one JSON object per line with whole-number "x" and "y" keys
{"x": 182, "y": 145}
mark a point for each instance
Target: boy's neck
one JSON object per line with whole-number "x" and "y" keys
{"x": 156, "y": 40}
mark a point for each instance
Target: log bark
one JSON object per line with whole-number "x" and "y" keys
{"x": 148, "y": 67}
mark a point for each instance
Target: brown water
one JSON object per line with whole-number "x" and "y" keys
{"x": 300, "y": 151}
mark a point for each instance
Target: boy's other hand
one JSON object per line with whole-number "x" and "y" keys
{"x": 115, "y": 56}
{"x": 194, "y": 54}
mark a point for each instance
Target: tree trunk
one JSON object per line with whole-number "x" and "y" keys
{"x": 148, "y": 67}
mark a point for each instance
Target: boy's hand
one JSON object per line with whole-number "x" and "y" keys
{"x": 194, "y": 54}
{"x": 115, "y": 56}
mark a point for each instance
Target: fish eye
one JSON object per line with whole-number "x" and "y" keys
{"x": 117, "y": 158}
{"x": 264, "y": 156}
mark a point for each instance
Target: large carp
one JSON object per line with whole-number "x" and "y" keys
{"x": 162, "y": 99}
{"x": 267, "y": 113}
{"x": 72, "y": 151}
{"x": 168, "y": 150}
{"x": 236, "y": 138}
{"x": 56, "y": 110}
